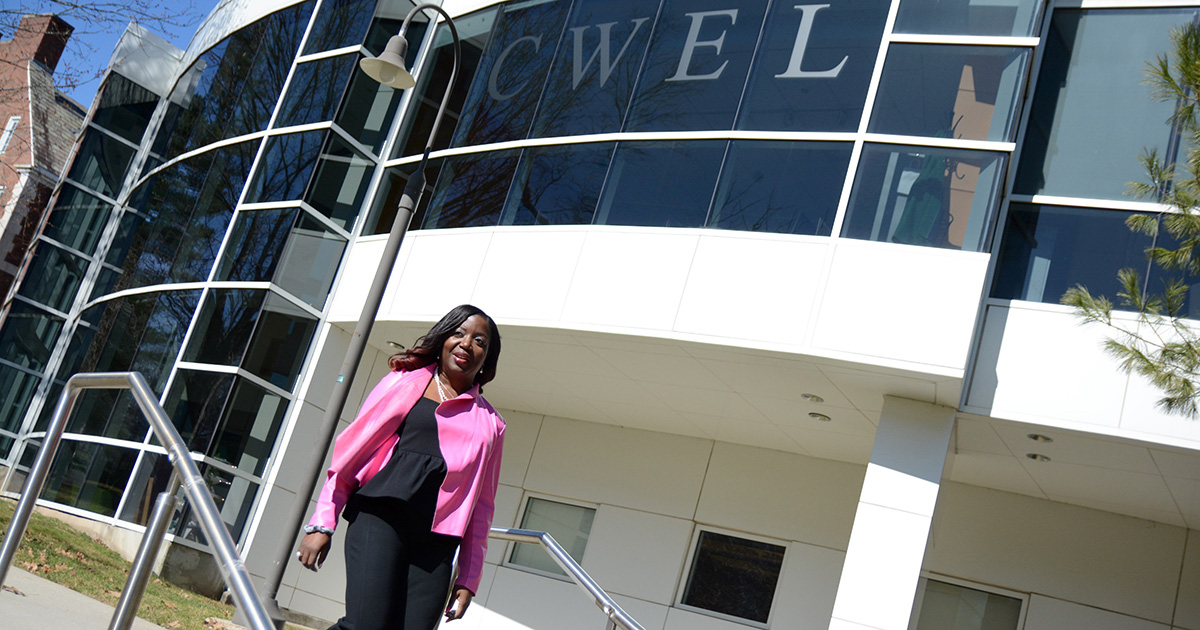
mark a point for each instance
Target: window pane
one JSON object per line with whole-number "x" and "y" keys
{"x": 255, "y": 243}
{"x": 813, "y": 66}
{"x": 570, "y": 526}
{"x": 101, "y": 163}
{"x": 90, "y": 477}
{"x": 141, "y": 333}
{"x": 1047, "y": 250}
{"x": 950, "y": 607}
{"x": 966, "y": 91}
{"x": 696, "y": 68}
{"x": 124, "y": 107}
{"x": 310, "y": 261}
{"x": 53, "y": 277}
{"x": 195, "y": 404}
{"x": 788, "y": 187}
{"x": 512, "y": 73}
{"x": 967, "y": 17}
{"x": 285, "y": 168}
{"x": 662, "y": 184}
{"x": 924, "y": 196}
{"x": 733, "y": 576}
{"x": 280, "y": 342}
{"x": 28, "y": 335}
{"x": 368, "y": 109}
{"x": 16, "y": 391}
{"x": 108, "y": 413}
{"x": 340, "y": 185}
{"x": 77, "y": 219}
{"x": 391, "y": 189}
{"x": 224, "y": 326}
{"x": 592, "y": 81}
{"x": 339, "y": 24}
{"x": 557, "y": 185}
{"x": 150, "y": 479}
{"x": 233, "y": 497}
{"x": 247, "y": 432}
{"x": 1092, "y": 76}
{"x": 471, "y": 190}
{"x": 316, "y": 90}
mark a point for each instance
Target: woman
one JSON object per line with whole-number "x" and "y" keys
{"x": 416, "y": 473}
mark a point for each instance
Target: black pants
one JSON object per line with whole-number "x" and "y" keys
{"x": 397, "y": 572}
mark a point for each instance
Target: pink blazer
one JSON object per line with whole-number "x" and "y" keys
{"x": 471, "y": 437}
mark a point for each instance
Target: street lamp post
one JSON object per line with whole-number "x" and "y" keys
{"x": 389, "y": 69}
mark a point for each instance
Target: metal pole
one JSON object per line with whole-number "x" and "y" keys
{"x": 291, "y": 526}
{"x": 139, "y": 573}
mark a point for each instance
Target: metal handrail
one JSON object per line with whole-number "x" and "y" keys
{"x": 617, "y": 617}
{"x": 234, "y": 572}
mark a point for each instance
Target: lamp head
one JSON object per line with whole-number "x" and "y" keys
{"x": 388, "y": 68}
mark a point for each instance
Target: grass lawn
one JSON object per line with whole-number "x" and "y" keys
{"x": 55, "y": 551}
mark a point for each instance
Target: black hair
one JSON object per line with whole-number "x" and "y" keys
{"x": 429, "y": 347}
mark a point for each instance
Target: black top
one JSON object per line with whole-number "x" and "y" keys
{"x": 416, "y": 470}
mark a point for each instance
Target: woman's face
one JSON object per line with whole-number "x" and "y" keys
{"x": 466, "y": 348}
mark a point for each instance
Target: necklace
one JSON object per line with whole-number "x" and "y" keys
{"x": 443, "y": 392}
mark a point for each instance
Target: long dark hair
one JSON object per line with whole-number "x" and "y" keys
{"x": 429, "y": 347}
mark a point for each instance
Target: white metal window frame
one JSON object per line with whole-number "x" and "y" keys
{"x": 689, "y": 561}
{"x": 510, "y": 548}
{"x": 927, "y": 576}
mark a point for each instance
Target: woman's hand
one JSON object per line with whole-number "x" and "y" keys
{"x": 458, "y": 603}
{"x": 313, "y": 549}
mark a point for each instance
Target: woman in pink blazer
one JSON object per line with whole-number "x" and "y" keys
{"x": 415, "y": 477}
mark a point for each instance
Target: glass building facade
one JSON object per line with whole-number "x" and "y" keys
{"x": 197, "y": 235}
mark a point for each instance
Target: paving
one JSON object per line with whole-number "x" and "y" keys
{"x": 29, "y": 601}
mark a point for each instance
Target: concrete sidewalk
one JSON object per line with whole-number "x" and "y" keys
{"x": 40, "y": 603}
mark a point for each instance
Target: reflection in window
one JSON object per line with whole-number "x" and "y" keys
{"x": 280, "y": 342}
{"x": 733, "y": 576}
{"x": 310, "y": 261}
{"x": 144, "y": 486}
{"x": 316, "y": 90}
{"x": 89, "y": 476}
{"x": 340, "y": 23}
{"x": 663, "y": 184}
{"x": 340, "y": 184}
{"x": 700, "y": 88}
{"x": 195, "y": 403}
{"x": 247, "y": 432}
{"x": 28, "y": 335}
{"x": 108, "y": 413}
{"x": 124, "y": 107}
{"x": 100, "y": 163}
{"x": 942, "y": 606}
{"x": 591, "y": 83}
{"x": 557, "y": 185}
{"x": 511, "y": 74}
{"x": 924, "y": 196}
{"x": 391, "y": 189}
{"x": 255, "y": 243}
{"x": 788, "y": 187}
{"x": 53, "y": 277}
{"x": 368, "y": 109}
{"x": 821, "y": 85}
{"x": 966, "y": 91}
{"x": 1092, "y": 77}
{"x": 77, "y": 219}
{"x": 233, "y": 496}
{"x": 569, "y": 524}
{"x": 1048, "y": 249}
{"x": 1016, "y": 18}
{"x": 471, "y": 190}
{"x": 285, "y": 167}
{"x": 16, "y": 391}
{"x": 224, "y": 326}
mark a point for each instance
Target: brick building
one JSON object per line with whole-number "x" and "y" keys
{"x": 38, "y": 127}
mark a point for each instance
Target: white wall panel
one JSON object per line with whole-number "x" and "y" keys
{"x": 440, "y": 272}
{"x": 907, "y": 303}
{"x": 520, "y": 435}
{"x": 641, "y": 470}
{"x": 734, "y": 274}
{"x": 1053, "y": 614}
{"x": 637, "y": 553}
{"x": 1187, "y": 611}
{"x": 1063, "y": 551}
{"x": 679, "y": 619}
{"x": 526, "y": 274}
{"x": 541, "y": 603}
{"x": 781, "y": 495}
{"x": 631, "y": 279}
{"x": 807, "y": 586}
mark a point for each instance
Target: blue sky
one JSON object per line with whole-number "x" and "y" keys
{"x": 91, "y": 47}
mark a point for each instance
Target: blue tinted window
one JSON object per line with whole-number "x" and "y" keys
{"x": 285, "y": 167}
{"x": 77, "y": 219}
{"x": 695, "y": 71}
{"x": 510, "y": 77}
{"x": 1081, "y": 140}
{"x": 141, "y": 333}
{"x": 598, "y": 60}
{"x": 316, "y": 90}
{"x": 663, "y": 184}
{"x": 557, "y": 185}
{"x": 390, "y": 192}
{"x": 368, "y": 109}
{"x": 924, "y": 196}
{"x": 788, "y": 187}
{"x": 1017, "y": 18}
{"x": 124, "y": 107}
{"x": 285, "y": 246}
{"x": 813, "y": 66}
{"x": 340, "y": 183}
{"x": 53, "y": 277}
{"x": 224, "y": 325}
{"x": 340, "y": 23}
{"x": 471, "y": 190}
{"x": 255, "y": 244}
{"x": 101, "y": 163}
{"x": 966, "y": 91}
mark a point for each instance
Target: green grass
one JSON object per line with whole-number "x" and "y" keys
{"x": 53, "y": 550}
